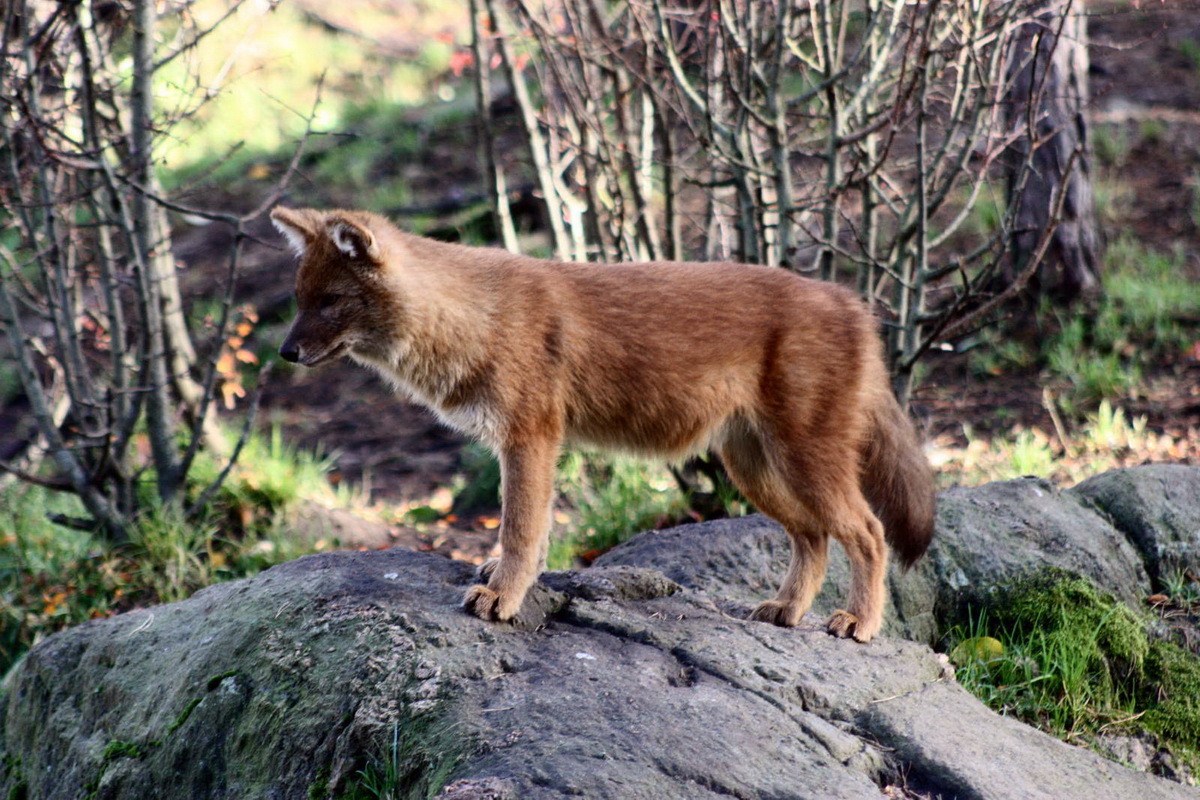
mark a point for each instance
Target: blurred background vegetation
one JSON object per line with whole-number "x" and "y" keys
{"x": 382, "y": 94}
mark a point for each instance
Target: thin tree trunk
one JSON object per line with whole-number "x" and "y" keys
{"x": 1049, "y": 93}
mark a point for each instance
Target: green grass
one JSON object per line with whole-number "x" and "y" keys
{"x": 478, "y": 487}
{"x": 1056, "y": 653}
{"x": 52, "y": 577}
{"x": 270, "y": 476}
{"x": 1105, "y": 439}
{"x": 1103, "y": 349}
{"x": 1069, "y": 654}
{"x": 1111, "y": 144}
{"x": 613, "y": 497}
{"x": 264, "y": 64}
{"x": 417, "y": 760}
{"x": 1190, "y": 49}
{"x": 1152, "y": 130}
{"x": 1031, "y": 454}
{"x": 1145, "y": 315}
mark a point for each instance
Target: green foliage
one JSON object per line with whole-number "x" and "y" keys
{"x": 119, "y": 749}
{"x": 258, "y": 95}
{"x": 1182, "y": 587}
{"x": 1102, "y": 350}
{"x": 1150, "y": 294}
{"x": 614, "y": 497}
{"x": 270, "y": 476}
{"x": 1031, "y": 454}
{"x": 480, "y": 481}
{"x": 988, "y": 216}
{"x": 1111, "y": 144}
{"x": 1152, "y": 130}
{"x": 423, "y": 752}
{"x": 1104, "y": 440}
{"x": 1072, "y": 660}
{"x": 1094, "y": 371}
{"x": 998, "y": 353}
{"x": 1171, "y": 694}
{"x": 10, "y": 769}
{"x": 1190, "y": 49}
{"x": 1109, "y": 429}
{"x": 177, "y": 723}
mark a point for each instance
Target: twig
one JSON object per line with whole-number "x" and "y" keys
{"x": 251, "y": 415}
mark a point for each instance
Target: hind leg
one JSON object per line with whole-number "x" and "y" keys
{"x": 764, "y": 485}
{"x": 861, "y": 535}
{"x": 814, "y": 491}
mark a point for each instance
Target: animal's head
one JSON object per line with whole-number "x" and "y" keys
{"x": 343, "y": 304}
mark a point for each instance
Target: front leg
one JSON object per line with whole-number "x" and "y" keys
{"x": 527, "y": 486}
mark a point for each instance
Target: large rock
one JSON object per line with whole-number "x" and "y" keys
{"x": 1158, "y": 508}
{"x": 984, "y": 536}
{"x": 614, "y": 683}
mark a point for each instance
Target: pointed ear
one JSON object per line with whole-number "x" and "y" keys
{"x": 296, "y": 226}
{"x": 353, "y": 238}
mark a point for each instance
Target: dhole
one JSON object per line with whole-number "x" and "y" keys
{"x": 781, "y": 375}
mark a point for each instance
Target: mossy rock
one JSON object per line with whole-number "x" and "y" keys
{"x": 1171, "y": 693}
{"x": 1072, "y": 614}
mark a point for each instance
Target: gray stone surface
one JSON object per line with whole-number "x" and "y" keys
{"x": 1157, "y": 507}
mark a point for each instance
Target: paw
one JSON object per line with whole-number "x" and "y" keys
{"x": 488, "y": 604}
{"x": 776, "y": 613}
{"x": 845, "y": 625}
{"x": 484, "y": 571}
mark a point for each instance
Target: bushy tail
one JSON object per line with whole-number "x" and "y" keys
{"x": 897, "y": 480}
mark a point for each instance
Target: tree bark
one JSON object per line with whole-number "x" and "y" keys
{"x": 1048, "y": 98}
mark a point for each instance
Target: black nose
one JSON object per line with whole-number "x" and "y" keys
{"x": 290, "y": 352}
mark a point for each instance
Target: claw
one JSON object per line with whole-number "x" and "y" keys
{"x": 776, "y": 613}
{"x": 484, "y": 571}
{"x": 488, "y": 604}
{"x": 845, "y": 625}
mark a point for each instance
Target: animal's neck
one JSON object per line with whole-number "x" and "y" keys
{"x": 442, "y": 340}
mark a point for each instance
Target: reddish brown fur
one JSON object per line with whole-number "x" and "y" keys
{"x": 780, "y": 374}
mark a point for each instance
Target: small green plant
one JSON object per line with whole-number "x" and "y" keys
{"x": 1111, "y": 144}
{"x": 480, "y": 480}
{"x": 1182, "y": 587}
{"x": 415, "y": 764}
{"x": 1031, "y": 454}
{"x": 1102, "y": 352}
{"x": 988, "y": 216}
{"x": 1152, "y": 130}
{"x": 1069, "y": 653}
{"x": 1171, "y": 694}
{"x": 1000, "y": 354}
{"x": 1190, "y": 49}
{"x": 1114, "y": 199}
{"x": 1056, "y": 653}
{"x": 269, "y": 477}
{"x": 1103, "y": 349}
{"x": 614, "y": 498}
{"x": 1108, "y": 428}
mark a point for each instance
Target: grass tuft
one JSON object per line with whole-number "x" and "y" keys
{"x": 613, "y": 497}
{"x": 1075, "y": 662}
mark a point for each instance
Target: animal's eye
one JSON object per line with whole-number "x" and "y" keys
{"x": 327, "y": 301}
